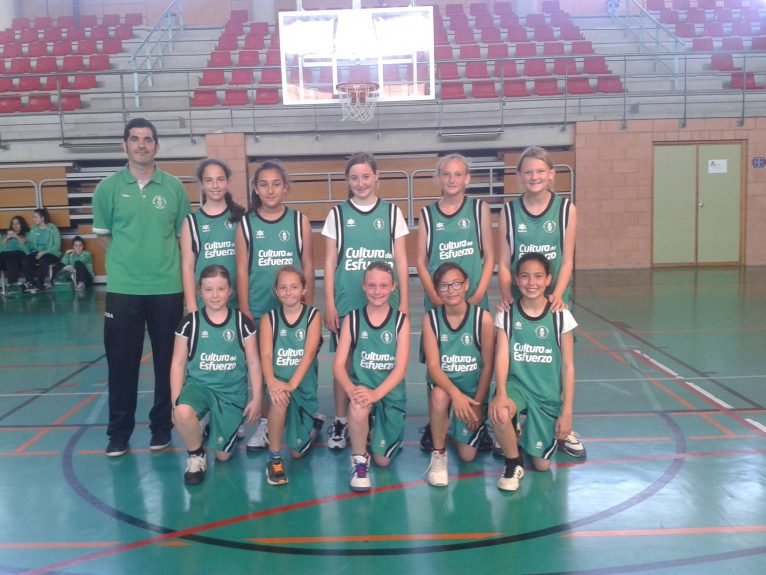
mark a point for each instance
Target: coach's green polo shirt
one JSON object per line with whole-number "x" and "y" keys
{"x": 144, "y": 224}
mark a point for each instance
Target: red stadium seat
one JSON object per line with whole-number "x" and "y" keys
{"x": 236, "y": 97}
{"x": 273, "y": 58}
{"x": 100, "y": 33}
{"x": 485, "y": 89}
{"x": 578, "y": 85}
{"x": 123, "y": 32}
{"x": 686, "y": 30}
{"x": 744, "y": 80}
{"x": 76, "y": 34}
{"x": 732, "y": 44}
{"x": 702, "y": 44}
{"x": 503, "y": 8}
{"x": 248, "y": 58}
{"x": 515, "y": 89}
{"x": 476, "y": 70}
{"x": 261, "y": 28}
{"x": 204, "y": 98}
{"x": 20, "y": 66}
{"x": 561, "y": 19}
{"x": 457, "y": 21}
{"x": 565, "y": 67}
{"x": 227, "y": 42}
{"x": 86, "y": 46}
{"x": 271, "y": 76}
{"x": 212, "y": 78}
{"x": 111, "y": 46}
{"x": 10, "y": 104}
{"x": 241, "y": 77}
{"x": 534, "y": 20}
{"x": 582, "y": 47}
{"x": 547, "y": 87}
{"x": 469, "y": 52}
{"x": 46, "y": 64}
{"x": 724, "y": 15}
{"x": 12, "y": 50}
{"x": 681, "y": 4}
{"x": 452, "y": 91}
{"x": 37, "y": 49}
{"x": 254, "y": 42}
{"x": 668, "y": 16}
{"x": 517, "y": 34}
{"x": 696, "y": 16}
{"x": 464, "y": 36}
{"x": 134, "y": 19}
{"x": 219, "y": 59}
{"x": 29, "y": 84}
{"x": 39, "y": 103}
{"x": 497, "y": 50}
{"x": 506, "y": 69}
{"x": 543, "y": 34}
{"x": 28, "y": 35}
{"x": 484, "y": 21}
{"x": 553, "y": 49}
{"x": 526, "y": 50}
{"x": 266, "y": 96}
{"x": 52, "y": 34}
{"x": 595, "y": 65}
{"x": 443, "y": 53}
{"x": 490, "y": 35}
{"x": 98, "y": 62}
{"x": 72, "y": 63}
{"x": 570, "y": 33}
{"x": 447, "y": 71}
{"x": 110, "y": 20}
{"x": 723, "y": 63}
{"x": 84, "y": 81}
{"x": 42, "y": 22}
{"x": 477, "y": 8}
{"x": 609, "y": 84}
{"x": 535, "y": 68}
{"x": 759, "y": 43}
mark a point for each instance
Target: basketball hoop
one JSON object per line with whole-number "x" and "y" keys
{"x": 357, "y": 101}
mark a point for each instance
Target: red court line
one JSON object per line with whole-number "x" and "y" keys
{"x": 664, "y": 532}
{"x": 145, "y": 359}
{"x": 601, "y": 346}
{"x": 373, "y": 538}
{"x": 61, "y": 419}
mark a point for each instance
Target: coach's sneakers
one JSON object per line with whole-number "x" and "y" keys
{"x": 196, "y": 465}
{"x": 275, "y": 472}
{"x": 572, "y": 446}
{"x": 438, "y": 476}
{"x": 160, "y": 440}
{"x": 116, "y": 447}
{"x": 511, "y": 478}
{"x": 338, "y": 432}
{"x": 360, "y": 473}
{"x": 259, "y": 439}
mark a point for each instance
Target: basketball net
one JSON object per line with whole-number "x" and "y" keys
{"x": 357, "y": 101}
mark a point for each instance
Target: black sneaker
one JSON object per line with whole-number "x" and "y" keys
{"x": 160, "y": 440}
{"x": 275, "y": 472}
{"x": 116, "y": 448}
{"x": 486, "y": 443}
{"x": 426, "y": 441}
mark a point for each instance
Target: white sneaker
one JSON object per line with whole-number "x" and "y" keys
{"x": 338, "y": 434}
{"x": 360, "y": 473}
{"x": 438, "y": 476}
{"x": 511, "y": 478}
{"x": 259, "y": 439}
{"x": 572, "y": 446}
{"x": 195, "y": 469}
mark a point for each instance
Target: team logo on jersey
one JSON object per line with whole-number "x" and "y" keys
{"x": 386, "y": 337}
{"x": 283, "y": 332}
{"x": 382, "y": 443}
{"x": 550, "y": 227}
{"x": 541, "y": 332}
{"x": 517, "y": 325}
{"x": 259, "y": 234}
{"x": 539, "y": 445}
{"x": 228, "y": 225}
{"x": 444, "y": 337}
{"x": 439, "y": 226}
{"x": 364, "y": 334}
{"x": 204, "y": 334}
{"x": 159, "y": 202}
{"x": 205, "y": 227}
{"x": 467, "y": 339}
{"x": 463, "y": 223}
{"x": 378, "y": 224}
{"x": 351, "y": 223}
{"x": 522, "y": 228}
{"x": 300, "y": 334}
{"x": 219, "y": 440}
{"x": 284, "y": 235}
{"x": 228, "y": 335}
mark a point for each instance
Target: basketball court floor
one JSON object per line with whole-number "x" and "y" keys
{"x": 670, "y": 396}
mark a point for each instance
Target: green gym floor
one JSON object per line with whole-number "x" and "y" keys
{"x": 670, "y": 396}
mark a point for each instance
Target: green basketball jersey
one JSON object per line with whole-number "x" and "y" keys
{"x": 456, "y": 238}
{"x": 362, "y": 238}
{"x": 270, "y": 245}
{"x": 373, "y": 350}
{"x": 212, "y": 239}
{"x": 289, "y": 342}
{"x": 216, "y": 353}
{"x": 544, "y": 234}
{"x": 460, "y": 348}
{"x": 535, "y": 354}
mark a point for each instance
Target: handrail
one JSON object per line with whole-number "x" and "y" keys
{"x": 166, "y": 23}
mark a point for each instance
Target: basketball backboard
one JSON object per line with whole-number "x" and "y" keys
{"x": 391, "y": 47}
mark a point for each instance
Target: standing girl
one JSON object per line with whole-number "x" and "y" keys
{"x": 455, "y": 229}
{"x": 376, "y": 340}
{"x": 540, "y": 221}
{"x": 271, "y": 236}
{"x": 15, "y": 246}
{"x": 44, "y": 242}
{"x": 290, "y": 338}
{"x": 208, "y": 236}
{"x": 458, "y": 340}
{"x": 214, "y": 355}
{"x": 358, "y": 231}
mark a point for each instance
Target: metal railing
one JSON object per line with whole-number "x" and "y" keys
{"x": 149, "y": 55}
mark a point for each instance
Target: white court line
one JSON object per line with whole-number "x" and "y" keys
{"x": 754, "y": 423}
{"x": 709, "y": 395}
{"x": 651, "y": 360}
